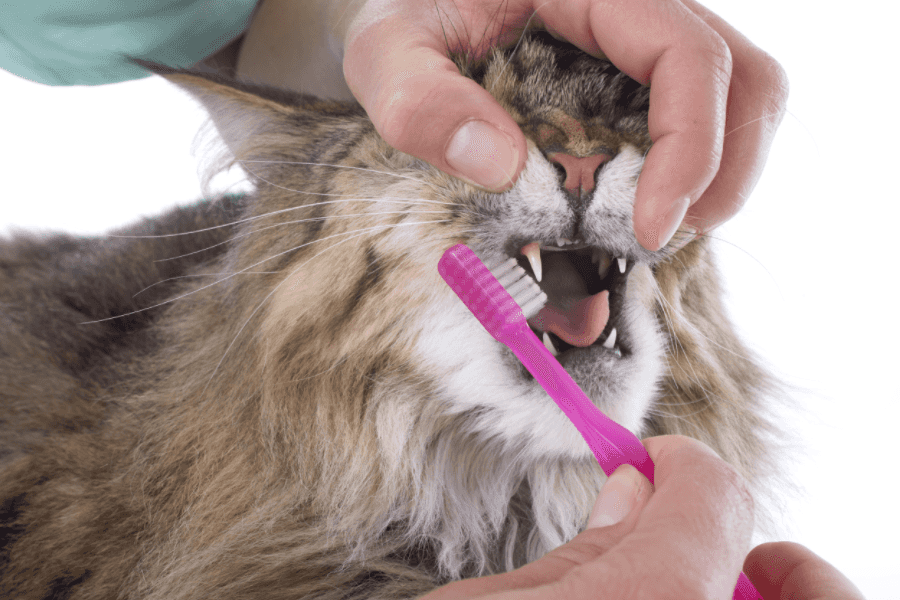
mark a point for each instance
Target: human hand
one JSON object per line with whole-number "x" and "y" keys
{"x": 686, "y": 539}
{"x": 715, "y": 102}
{"x": 785, "y": 570}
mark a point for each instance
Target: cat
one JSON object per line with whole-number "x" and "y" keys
{"x": 275, "y": 395}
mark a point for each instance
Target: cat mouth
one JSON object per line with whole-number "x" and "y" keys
{"x": 585, "y": 287}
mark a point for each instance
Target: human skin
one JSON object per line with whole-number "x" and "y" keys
{"x": 716, "y": 102}
{"x": 716, "y": 99}
{"x": 684, "y": 539}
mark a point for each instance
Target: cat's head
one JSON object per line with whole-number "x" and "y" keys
{"x": 568, "y": 220}
{"x": 364, "y": 342}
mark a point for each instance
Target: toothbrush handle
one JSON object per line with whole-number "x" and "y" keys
{"x": 744, "y": 590}
{"x": 612, "y": 444}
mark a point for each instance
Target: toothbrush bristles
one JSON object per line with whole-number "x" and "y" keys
{"x": 520, "y": 285}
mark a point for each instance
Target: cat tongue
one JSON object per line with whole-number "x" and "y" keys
{"x": 577, "y": 317}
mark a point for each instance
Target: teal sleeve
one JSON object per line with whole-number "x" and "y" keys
{"x": 87, "y": 42}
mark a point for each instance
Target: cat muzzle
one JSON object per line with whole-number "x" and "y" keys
{"x": 585, "y": 288}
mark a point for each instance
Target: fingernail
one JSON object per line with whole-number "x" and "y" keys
{"x": 618, "y": 497}
{"x": 665, "y": 227}
{"x": 483, "y": 155}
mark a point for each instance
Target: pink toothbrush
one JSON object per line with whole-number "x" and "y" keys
{"x": 487, "y": 294}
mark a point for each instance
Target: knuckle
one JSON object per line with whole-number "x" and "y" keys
{"x": 589, "y": 544}
{"x": 727, "y": 481}
{"x": 773, "y": 75}
{"x": 718, "y": 55}
{"x": 775, "y": 81}
{"x": 769, "y": 84}
{"x": 739, "y": 491}
{"x": 619, "y": 574}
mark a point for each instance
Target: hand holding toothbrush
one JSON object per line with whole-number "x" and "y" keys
{"x": 686, "y": 539}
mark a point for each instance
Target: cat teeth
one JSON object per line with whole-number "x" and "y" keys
{"x": 603, "y": 261}
{"x": 611, "y": 340}
{"x": 548, "y": 343}
{"x": 532, "y": 252}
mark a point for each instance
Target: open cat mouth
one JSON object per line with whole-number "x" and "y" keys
{"x": 585, "y": 288}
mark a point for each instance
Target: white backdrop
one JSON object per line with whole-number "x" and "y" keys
{"x": 808, "y": 265}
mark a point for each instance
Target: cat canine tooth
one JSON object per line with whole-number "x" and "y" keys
{"x": 610, "y": 341}
{"x": 549, "y": 344}
{"x": 603, "y": 263}
{"x": 622, "y": 264}
{"x": 595, "y": 256}
{"x": 532, "y": 252}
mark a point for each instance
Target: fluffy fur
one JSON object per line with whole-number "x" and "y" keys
{"x": 276, "y": 396}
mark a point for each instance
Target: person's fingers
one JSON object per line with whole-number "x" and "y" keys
{"x": 783, "y": 570}
{"x": 688, "y": 66}
{"x": 688, "y": 541}
{"x": 756, "y": 106}
{"x": 420, "y": 104}
{"x": 623, "y": 495}
{"x": 716, "y": 100}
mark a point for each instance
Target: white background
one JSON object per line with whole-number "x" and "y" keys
{"x": 809, "y": 261}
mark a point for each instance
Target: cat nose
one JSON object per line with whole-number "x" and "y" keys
{"x": 580, "y": 172}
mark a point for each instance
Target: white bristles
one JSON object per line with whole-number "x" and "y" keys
{"x": 520, "y": 285}
{"x": 505, "y": 272}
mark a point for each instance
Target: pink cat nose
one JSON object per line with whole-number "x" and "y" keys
{"x": 579, "y": 171}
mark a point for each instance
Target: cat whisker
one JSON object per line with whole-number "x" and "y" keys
{"x": 518, "y": 43}
{"x": 314, "y": 164}
{"x": 357, "y": 233}
{"x": 709, "y": 398}
{"x": 201, "y": 275}
{"x": 280, "y": 187}
{"x": 450, "y": 21}
{"x": 666, "y": 313}
{"x": 360, "y": 350}
{"x": 388, "y": 199}
{"x": 656, "y": 412}
{"x": 693, "y": 376}
{"x": 670, "y": 321}
{"x": 762, "y": 118}
{"x": 664, "y": 303}
{"x": 759, "y": 262}
{"x": 324, "y": 218}
{"x": 248, "y": 268}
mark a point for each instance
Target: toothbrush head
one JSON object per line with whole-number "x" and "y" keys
{"x": 498, "y": 295}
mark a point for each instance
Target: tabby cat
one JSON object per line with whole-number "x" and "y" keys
{"x": 276, "y": 395}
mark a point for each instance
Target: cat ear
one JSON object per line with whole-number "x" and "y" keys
{"x": 242, "y": 113}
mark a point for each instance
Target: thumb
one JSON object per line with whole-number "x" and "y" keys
{"x": 789, "y": 570}
{"x": 625, "y": 493}
{"x": 618, "y": 497}
{"x": 421, "y": 105}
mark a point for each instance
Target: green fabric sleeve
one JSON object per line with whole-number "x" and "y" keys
{"x": 87, "y": 42}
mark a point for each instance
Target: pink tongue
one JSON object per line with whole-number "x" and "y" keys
{"x": 581, "y": 325}
{"x": 571, "y": 313}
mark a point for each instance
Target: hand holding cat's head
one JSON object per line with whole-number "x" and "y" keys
{"x": 709, "y": 82}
